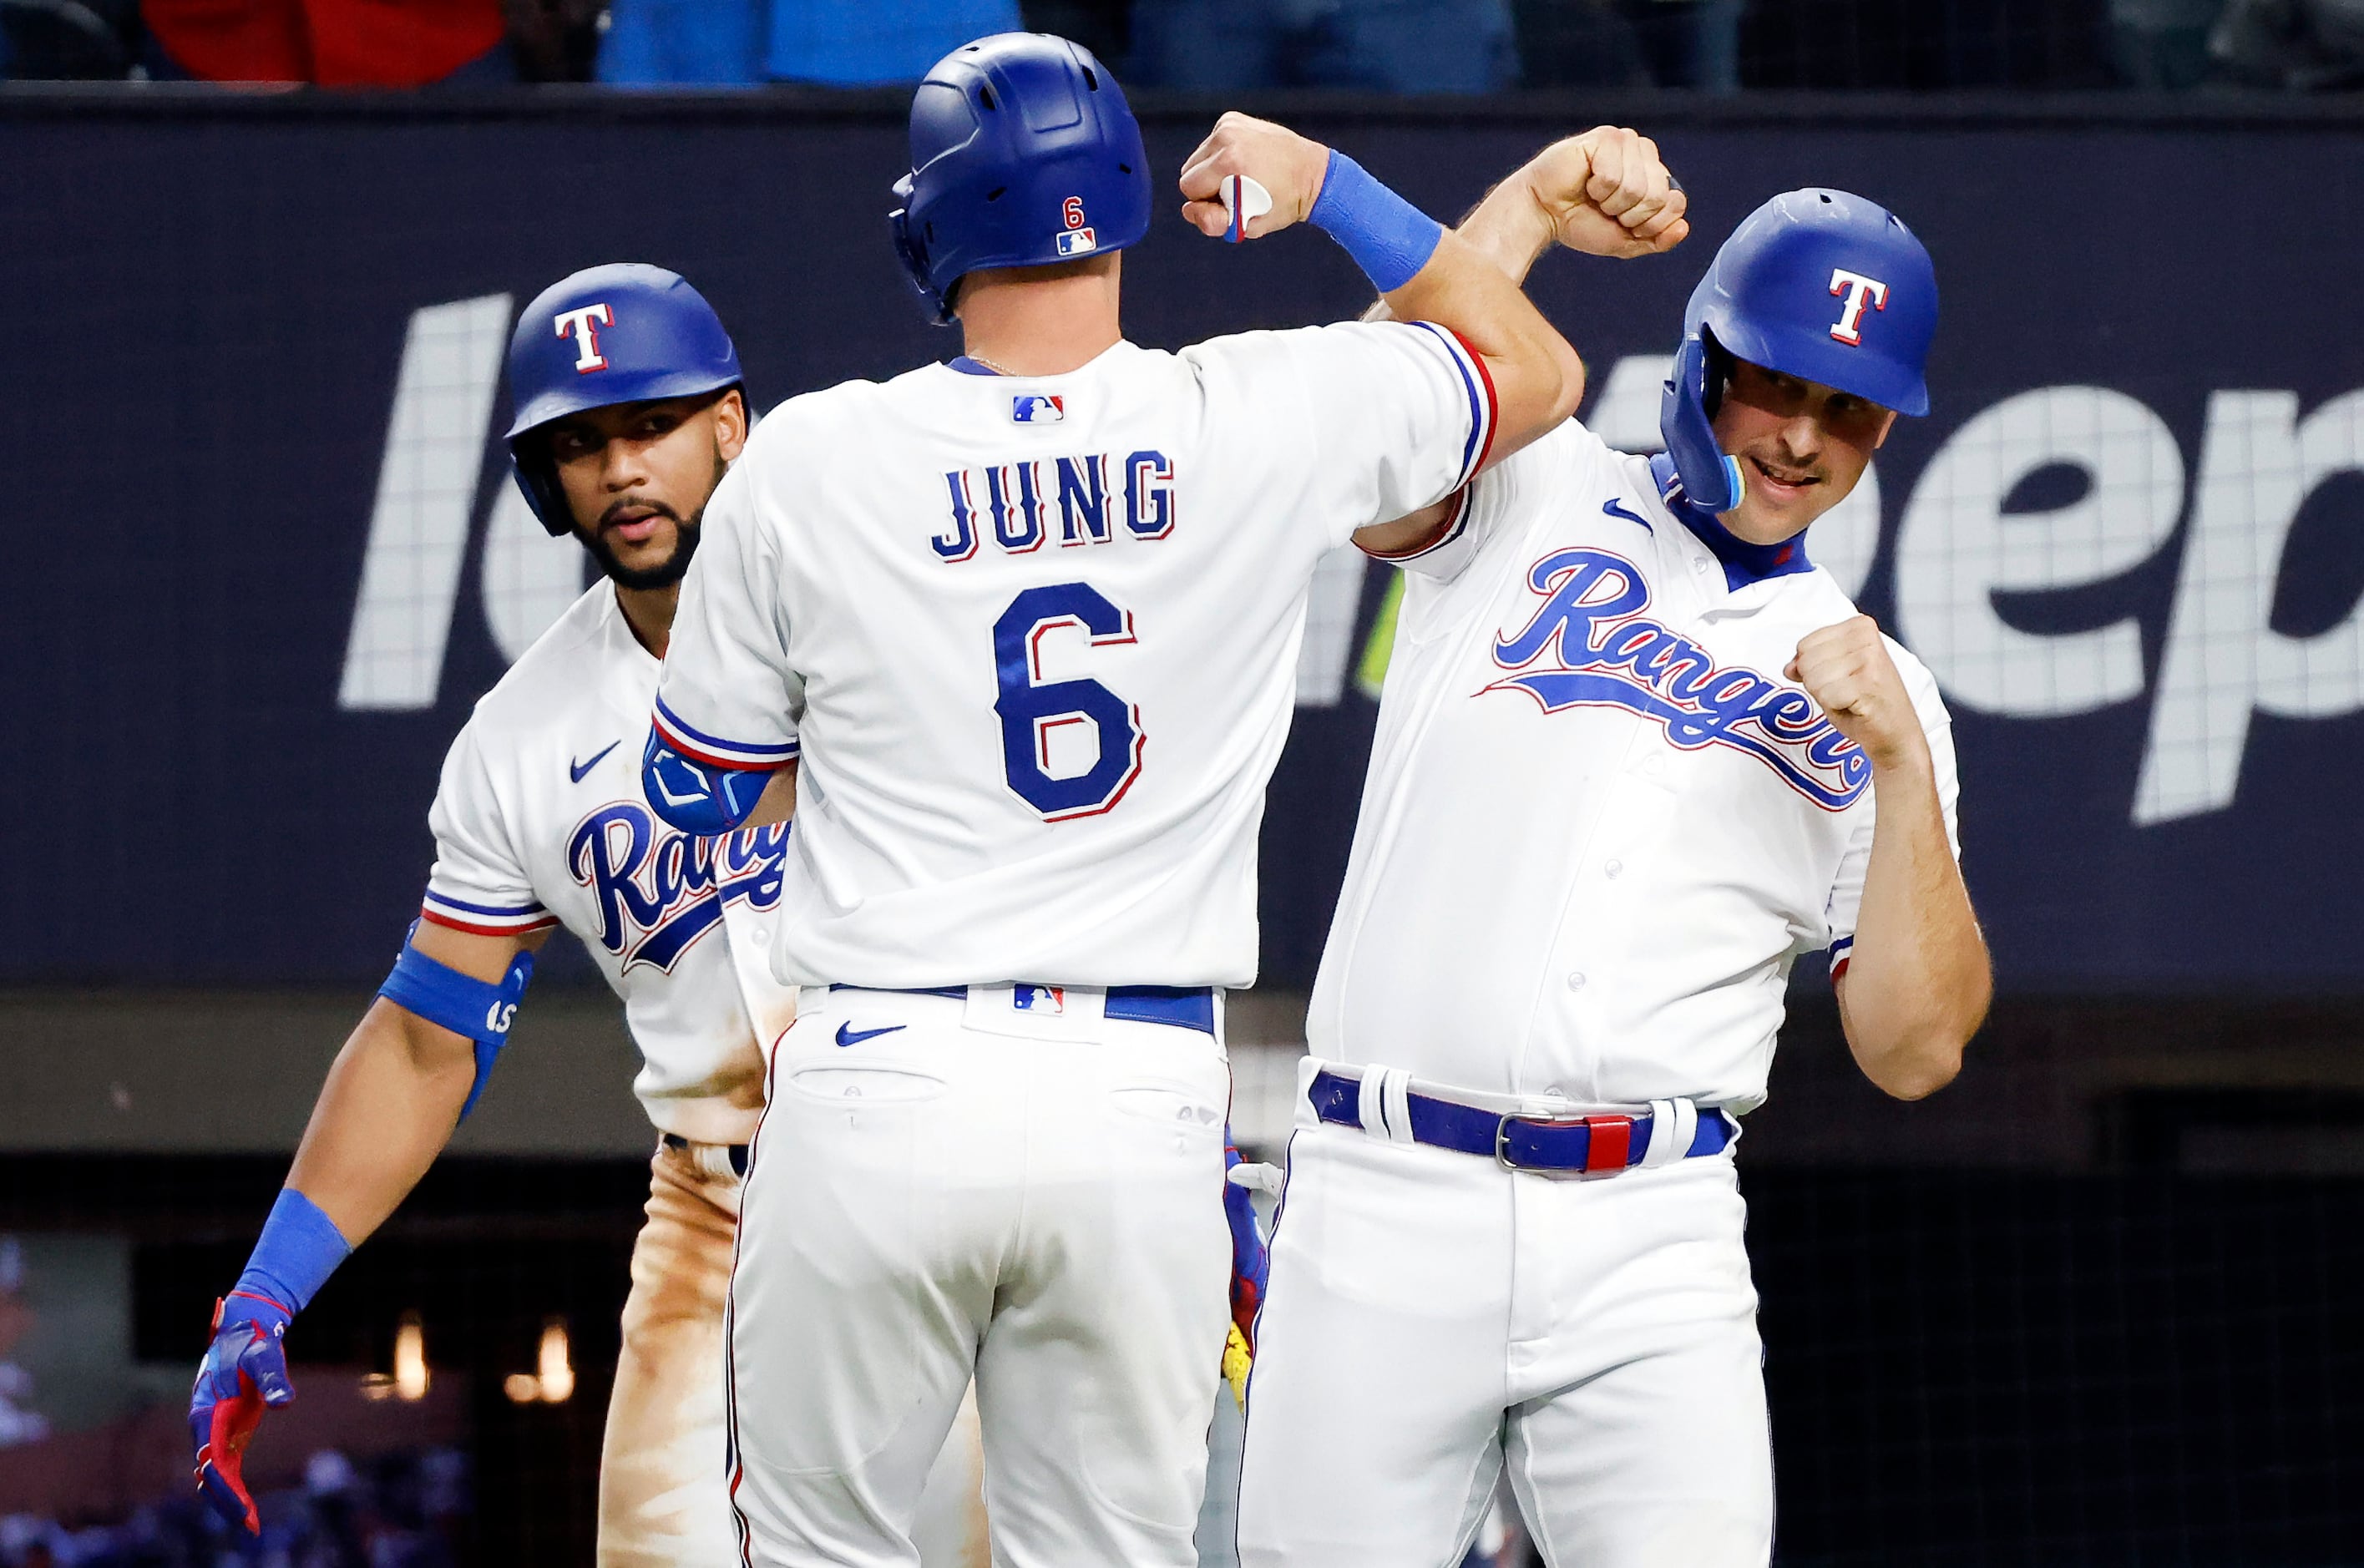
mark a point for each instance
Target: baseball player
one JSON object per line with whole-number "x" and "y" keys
{"x": 1026, "y": 623}
{"x": 1635, "y": 755}
{"x": 629, "y": 407}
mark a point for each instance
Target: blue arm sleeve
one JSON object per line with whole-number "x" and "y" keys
{"x": 461, "y": 1003}
{"x": 1388, "y": 236}
{"x": 300, "y": 1247}
{"x": 698, "y": 797}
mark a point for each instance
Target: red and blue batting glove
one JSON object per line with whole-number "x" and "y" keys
{"x": 1251, "y": 1265}
{"x": 244, "y": 1374}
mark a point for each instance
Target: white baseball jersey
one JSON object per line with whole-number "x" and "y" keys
{"x": 1599, "y": 824}
{"x": 1037, "y": 641}
{"x": 539, "y": 821}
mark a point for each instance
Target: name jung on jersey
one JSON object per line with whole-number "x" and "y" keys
{"x": 1084, "y": 499}
{"x": 660, "y": 892}
{"x": 1610, "y": 655}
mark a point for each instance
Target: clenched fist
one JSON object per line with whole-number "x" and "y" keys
{"x": 1846, "y": 670}
{"x": 1607, "y": 192}
{"x": 1275, "y": 157}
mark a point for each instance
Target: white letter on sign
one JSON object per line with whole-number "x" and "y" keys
{"x": 2225, "y": 661}
{"x": 426, "y": 496}
{"x": 1957, "y": 548}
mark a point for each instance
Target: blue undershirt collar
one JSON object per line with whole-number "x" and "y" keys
{"x": 967, "y": 366}
{"x": 1743, "y": 563}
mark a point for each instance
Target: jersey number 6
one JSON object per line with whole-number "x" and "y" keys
{"x": 1040, "y": 717}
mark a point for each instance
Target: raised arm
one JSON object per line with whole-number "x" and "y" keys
{"x": 1606, "y": 193}
{"x": 1425, "y": 272}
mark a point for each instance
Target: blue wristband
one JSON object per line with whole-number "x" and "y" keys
{"x": 300, "y": 1247}
{"x": 1390, "y": 238}
{"x": 461, "y": 1002}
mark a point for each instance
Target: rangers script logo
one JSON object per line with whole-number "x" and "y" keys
{"x": 660, "y": 891}
{"x": 1610, "y": 655}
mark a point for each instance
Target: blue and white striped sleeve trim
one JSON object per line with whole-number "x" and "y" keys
{"x": 1842, "y": 949}
{"x": 485, "y": 919}
{"x": 713, "y": 751}
{"x": 1477, "y": 385}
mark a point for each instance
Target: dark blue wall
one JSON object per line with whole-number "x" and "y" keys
{"x": 203, "y": 316}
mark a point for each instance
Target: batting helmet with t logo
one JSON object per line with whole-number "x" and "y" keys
{"x": 1818, "y": 284}
{"x": 621, "y": 333}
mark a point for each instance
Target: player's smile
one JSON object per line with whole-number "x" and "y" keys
{"x": 1802, "y": 448}
{"x": 1781, "y": 480}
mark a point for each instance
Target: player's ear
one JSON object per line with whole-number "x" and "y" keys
{"x": 1886, "y": 423}
{"x": 730, "y": 424}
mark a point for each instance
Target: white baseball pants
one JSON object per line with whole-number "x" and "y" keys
{"x": 944, "y": 1189}
{"x": 662, "y": 1498}
{"x": 1433, "y": 1318}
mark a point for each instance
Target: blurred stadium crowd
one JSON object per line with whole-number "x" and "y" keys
{"x": 402, "y": 1510}
{"x": 1383, "y": 46}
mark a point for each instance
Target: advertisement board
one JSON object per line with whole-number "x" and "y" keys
{"x": 267, "y": 553}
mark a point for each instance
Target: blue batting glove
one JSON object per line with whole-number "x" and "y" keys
{"x": 244, "y": 1372}
{"x": 1250, "y": 1267}
{"x": 1251, "y": 1261}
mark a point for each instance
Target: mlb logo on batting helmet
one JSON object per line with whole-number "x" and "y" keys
{"x": 1077, "y": 240}
{"x": 1037, "y": 408}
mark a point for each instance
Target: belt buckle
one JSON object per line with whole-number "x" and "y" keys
{"x": 1596, "y": 1120}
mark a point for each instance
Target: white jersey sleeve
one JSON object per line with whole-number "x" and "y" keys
{"x": 727, "y": 697}
{"x": 1846, "y": 891}
{"x": 480, "y": 883}
{"x": 1391, "y": 415}
{"x": 1536, "y": 479}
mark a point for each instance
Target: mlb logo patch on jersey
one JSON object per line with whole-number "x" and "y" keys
{"x": 1051, "y": 999}
{"x": 1037, "y": 408}
{"x": 1077, "y": 242}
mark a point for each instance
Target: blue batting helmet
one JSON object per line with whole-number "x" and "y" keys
{"x": 1818, "y": 284}
{"x": 621, "y": 333}
{"x": 1023, "y": 153}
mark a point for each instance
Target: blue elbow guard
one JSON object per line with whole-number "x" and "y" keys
{"x": 698, "y": 797}
{"x": 461, "y": 1003}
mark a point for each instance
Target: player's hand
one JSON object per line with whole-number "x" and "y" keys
{"x": 244, "y": 1372}
{"x": 1607, "y": 192}
{"x": 1283, "y": 162}
{"x": 1846, "y": 670}
{"x": 1251, "y": 1268}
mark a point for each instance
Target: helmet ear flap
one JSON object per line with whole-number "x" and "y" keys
{"x": 1718, "y": 372}
{"x": 536, "y": 480}
{"x": 1709, "y": 478}
{"x": 915, "y": 263}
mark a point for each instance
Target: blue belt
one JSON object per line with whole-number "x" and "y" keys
{"x": 1185, "y": 1006}
{"x": 1577, "y": 1143}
